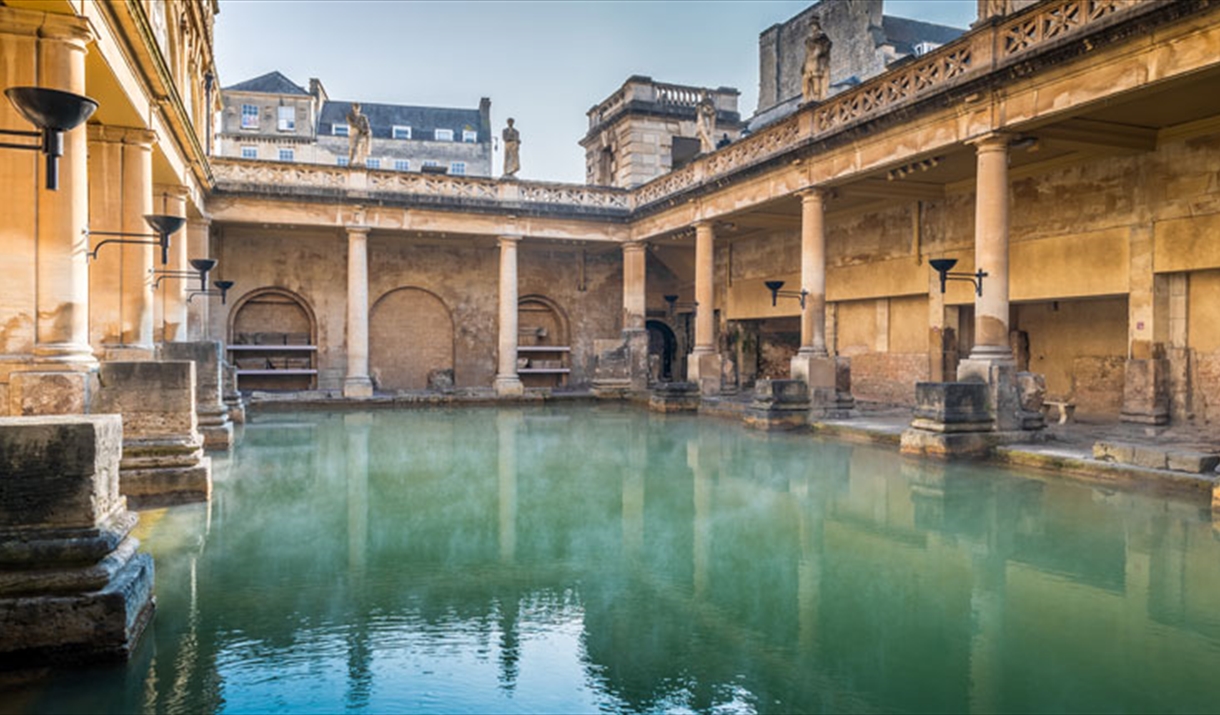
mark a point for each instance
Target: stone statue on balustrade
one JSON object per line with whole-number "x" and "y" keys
{"x": 815, "y": 77}
{"x": 993, "y": 8}
{"x": 512, "y": 150}
{"x": 359, "y": 134}
{"x": 705, "y": 122}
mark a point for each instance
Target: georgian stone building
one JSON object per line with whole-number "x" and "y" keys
{"x": 273, "y": 119}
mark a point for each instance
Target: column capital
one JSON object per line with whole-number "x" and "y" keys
{"x": 199, "y": 222}
{"x": 992, "y": 141}
{"x": 508, "y": 240}
{"x": 819, "y": 194}
{"x": 357, "y": 231}
{"x": 634, "y": 246}
{"x": 110, "y": 134}
{"x": 704, "y": 224}
{"x": 47, "y": 25}
{"x": 174, "y": 191}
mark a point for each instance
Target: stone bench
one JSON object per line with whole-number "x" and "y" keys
{"x": 1067, "y": 409}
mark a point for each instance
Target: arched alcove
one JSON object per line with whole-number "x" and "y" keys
{"x": 664, "y": 345}
{"x": 273, "y": 337}
{"x": 410, "y": 338}
{"x": 543, "y": 342}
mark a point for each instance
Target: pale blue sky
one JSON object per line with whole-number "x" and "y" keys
{"x": 543, "y": 63}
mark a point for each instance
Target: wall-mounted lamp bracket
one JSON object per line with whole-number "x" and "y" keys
{"x": 672, "y": 301}
{"x": 53, "y": 112}
{"x": 223, "y": 290}
{"x": 776, "y": 293}
{"x": 163, "y": 225}
{"x": 943, "y": 266}
{"x": 201, "y": 266}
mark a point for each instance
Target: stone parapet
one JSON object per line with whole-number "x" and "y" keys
{"x": 163, "y": 460}
{"x": 73, "y": 586}
{"x": 213, "y": 414}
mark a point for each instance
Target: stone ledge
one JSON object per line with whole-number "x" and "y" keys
{"x": 1154, "y": 457}
{"x": 1158, "y": 481}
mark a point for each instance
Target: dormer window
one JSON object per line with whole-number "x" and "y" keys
{"x": 469, "y": 136}
{"x": 339, "y": 130}
{"x": 444, "y": 135}
{"x": 400, "y": 132}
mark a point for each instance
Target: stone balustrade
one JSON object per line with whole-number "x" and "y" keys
{"x": 987, "y": 49}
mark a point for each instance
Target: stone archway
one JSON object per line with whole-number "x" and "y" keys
{"x": 410, "y": 338}
{"x": 273, "y": 336}
{"x": 664, "y": 344}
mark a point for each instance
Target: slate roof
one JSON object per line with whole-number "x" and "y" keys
{"x": 422, "y": 120}
{"x": 270, "y": 83}
{"x": 904, "y": 33}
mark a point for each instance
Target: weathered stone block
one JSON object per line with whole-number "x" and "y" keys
{"x": 1192, "y": 462}
{"x": 951, "y": 407}
{"x": 1146, "y": 392}
{"x": 59, "y": 471}
{"x": 50, "y": 393}
{"x": 213, "y": 414}
{"x": 674, "y": 397}
{"x": 704, "y": 369}
{"x": 73, "y": 586}
{"x": 1150, "y": 457}
{"x": 778, "y": 404}
{"x": 945, "y": 444}
{"x": 1117, "y": 452}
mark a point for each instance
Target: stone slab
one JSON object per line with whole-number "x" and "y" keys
{"x": 50, "y": 393}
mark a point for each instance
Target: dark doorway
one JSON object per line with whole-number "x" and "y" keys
{"x": 663, "y": 344}
{"x": 683, "y": 150}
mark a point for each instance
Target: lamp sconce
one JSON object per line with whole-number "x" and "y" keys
{"x": 223, "y": 287}
{"x": 53, "y": 112}
{"x": 163, "y": 224}
{"x": 943, "y": 266}
{"x": 776, "y": 293}
{"x": 672, "y": 301}
{"x": 201, "y": 266}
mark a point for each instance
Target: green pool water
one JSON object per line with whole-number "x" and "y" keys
{"x": 582, "y": 559}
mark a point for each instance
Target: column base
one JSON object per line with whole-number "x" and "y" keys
{"x": 509, "y": 386}
{"x": 828, "y": 380}
{"x": 216, "y": 428}
{"x": 73, "y": 586}
{"x": 674, "y": 397}
{"x": 704, "y": 369}
{"x": 357, "y": 387}
{"x": 778, "y": 405}
{"x": 162, "y": 460}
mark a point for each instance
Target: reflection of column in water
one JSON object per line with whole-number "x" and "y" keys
{"x": 809, "y": 568}
{"x": 507, "y": 424}
{"x": 357, "y": 426}
{"x": 633, "y": 494}
{"x": 698, "y": 459}
{"x": 987, "y": 621}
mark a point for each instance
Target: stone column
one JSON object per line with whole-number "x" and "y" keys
{"x": 991, "y": 360}
{"x": 51, "y": 274}
{"x": 357, "y": 383}
{"x": 634, "y": 272}
{"x": 827, "y": 377}
{"x": 197, "y": 245}
{"x": 171, "y": 200}
{"x": 120, "y": 289}
{"x": 991, "y": 251}
{"x": 703, "y": 365}
{"x": 507, "y": 381}
{"x": 813, "y": 273}
{"x": 635, "y": 277}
